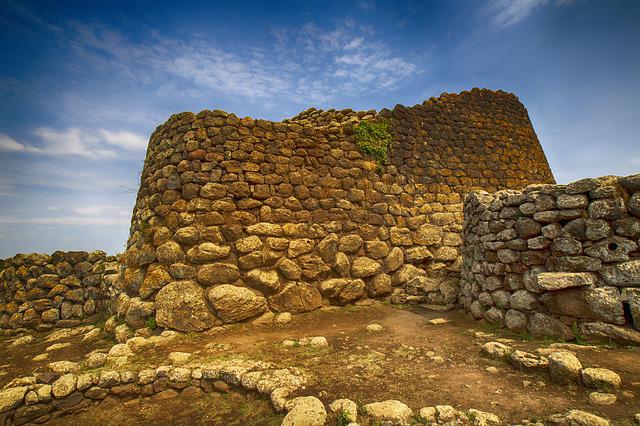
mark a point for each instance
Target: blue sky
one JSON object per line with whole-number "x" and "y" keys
{"x": 83, "y": 84}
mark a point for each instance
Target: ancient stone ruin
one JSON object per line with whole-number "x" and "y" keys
{"x": 237, "y": 217}
{"x": 555, "y": 260}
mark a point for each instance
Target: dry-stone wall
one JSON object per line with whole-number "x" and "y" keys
{"x": 237, "y": 218}
{"x": 64, "y": 289}
{"x": 556, "y": 260}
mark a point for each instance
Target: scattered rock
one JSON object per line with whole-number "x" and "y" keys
{"x": 57, "y": 346}
{"x": 25, "y": 340}
{"x": 599, "y": 398}
{"x": 11, "y": 398}
{"x": 527, "y": 361}
{"x": 577, "y": 418}
{"x": 601, "y": 379}
{"x": 374, "y": 328}
{"x": 305, "y": 411}
{"x": 389, "y": 411}
{"x": 564, "y": 367}
{"x": 346, "y": 407}
{"x": 497, "y": 350}
{"x": 64, "y": 386}
{"x": 437, "y": 321}
{"x": 283, "y": 318}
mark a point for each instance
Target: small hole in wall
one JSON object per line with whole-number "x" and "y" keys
{"x": 612, "y": 246}
{"x": 628, "y": 318}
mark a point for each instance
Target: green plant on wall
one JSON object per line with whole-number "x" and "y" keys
{"x": 374, "y": 138}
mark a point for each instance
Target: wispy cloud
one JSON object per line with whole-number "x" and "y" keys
{"x": 73, "y": 141}
{"x": 307, "y": 64}
{"x": 505, "y": 13}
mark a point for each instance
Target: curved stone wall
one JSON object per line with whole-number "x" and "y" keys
{"x": 237, "y": 217}
{"x": 556, "y": 260}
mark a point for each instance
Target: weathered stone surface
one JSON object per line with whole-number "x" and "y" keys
{"x": 64, "y": 386}
{"x": 497, "y": 350}
{"x": 577, "y": 418}
{"x": 289, "y": 269}
{"x": 393, "y": 260}
{"x": 305, "y": 411}
{"x": 218, "y": 273}
{"x": 614, "y": 249}
{"x": 380, "y": 285}
{"x": 300, "y": 246}
{"x": 138, "y": 312}
{"x": 564, "y": 367}
{"x": 562, "y": 280}
{"x": 602, "y": 303}
{"x": 626, "y": 274}
{"x": 296, "y": 297}
{"x": 541, "y": 325}
{"x": 207, "y": 252}
{"x": 346, "y": 408}
{"x": 263, "y": 280}
{"x": 427, "y": 235}
{"x": 233, "y": 304}
{"x": 601, "y": 330}
{"x": 342, "y": 290}
{"x": 350, "y": 244}
{"x": 527, "y": 361}
{"x": 328, "y": 247}
{"x": 515, "y": 320}
{"x": 181, "y": 306}
{"x": 362, "y": 267}
{"x": 11, "y": 398}
{"x": 600, "y": 378}
{"x": 392, "y": 411}
{"x": 169, "y": 252}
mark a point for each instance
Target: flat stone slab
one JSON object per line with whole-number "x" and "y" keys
{"x": 562, "y": 280}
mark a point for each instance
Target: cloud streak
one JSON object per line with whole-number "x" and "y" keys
{"x": 100, "y": 143}
{"x": 506, "y": 13}
{"x": 307, "y": 64}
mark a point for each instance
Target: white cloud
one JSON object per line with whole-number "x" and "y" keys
{"x": 73, "y": 141}
{"x": 505, "y": 13}
{"x": 8, "y": 144}
{"x": 108, "y": 210}
{"x": 305, "y": 64}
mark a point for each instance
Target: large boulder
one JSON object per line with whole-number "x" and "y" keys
{"x": 296, "y": 297}
{"x": 182, "y": 306}
{"x": 602, "y": 303}
{"x": 11, "y": 398}
{"x": 138, "y": 312}
{"x": 342, "y": 290}
{"x": 233, "y": 304}
{"x": 601, "y": 378}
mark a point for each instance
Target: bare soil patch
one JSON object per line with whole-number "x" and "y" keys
{"x": 411, "y": 359}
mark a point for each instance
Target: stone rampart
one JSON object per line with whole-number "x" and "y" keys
{"x": 237, "y": 218}
{"x": 64, "y": 289}
{"x": 556, "y": 260}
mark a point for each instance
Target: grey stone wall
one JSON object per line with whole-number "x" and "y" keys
{"x": 64, "y": 289}
{"x": 555, "y": 260}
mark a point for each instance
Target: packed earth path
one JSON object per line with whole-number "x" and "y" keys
{"x": 373, "y": 352}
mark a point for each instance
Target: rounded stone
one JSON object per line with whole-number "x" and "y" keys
{"x": 181, "y": 306}
{"x": 564, "y": 367}
{"x": 233, "y": 304}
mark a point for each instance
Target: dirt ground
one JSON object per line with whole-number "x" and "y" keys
{"x": 411, "y": 360}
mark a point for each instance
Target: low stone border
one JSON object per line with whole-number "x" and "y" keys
{"x": 563, "y": 367}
